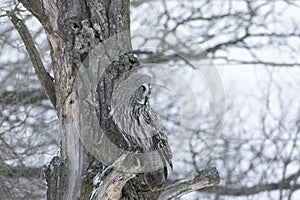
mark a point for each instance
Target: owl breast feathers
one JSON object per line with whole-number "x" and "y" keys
{"x": 138, "y": 123}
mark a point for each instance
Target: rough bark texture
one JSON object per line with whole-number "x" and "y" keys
{"x": 74, "y": 28}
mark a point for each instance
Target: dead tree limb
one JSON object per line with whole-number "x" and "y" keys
{"x": 43, "y": 75}
{"x": 206, "y": 178}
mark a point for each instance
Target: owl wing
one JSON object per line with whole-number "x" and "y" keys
{"x": 163, "y": 148}
{"x": 155, "y": 179}
{"x": 159, "y": 139}
{"x": 160, "y": 144}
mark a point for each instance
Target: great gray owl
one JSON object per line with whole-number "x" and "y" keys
{"x": 139, "y": 125}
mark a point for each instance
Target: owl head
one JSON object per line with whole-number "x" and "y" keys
{"x": 142, "y": 93}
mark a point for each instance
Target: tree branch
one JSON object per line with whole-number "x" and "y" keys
{"x": 36, "y": 8}
{"x": 206, "y": 178}
{"x": 112, "y": 186}
{"x": 17, "y": 172}
{"x": 247, "y": 191}
{"x": 22, "y": 97}
{"x": 43, "y": 75}
{"x": 285, "y": 184}
{"x": 113, "y": 180}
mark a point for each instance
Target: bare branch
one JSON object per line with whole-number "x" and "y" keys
{"x": 259, "y": 62}
{"x": 206, "y": 178}
{"x": 43, "y": 75}
{"x": 113, "y": 180}
{"x": 36, "y": 8}
{"x": 22, "y": 97}
{"x": 113, "y": 184}
{"x": 246, "y": 191}
{"x": 16, "y": 172}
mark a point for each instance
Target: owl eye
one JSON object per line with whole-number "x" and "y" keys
{"x": 143, "y": 88}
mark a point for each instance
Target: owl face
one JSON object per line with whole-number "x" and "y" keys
{"x": 142, "y": 93}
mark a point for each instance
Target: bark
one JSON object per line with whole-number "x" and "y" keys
{"x": 74, "y": 29}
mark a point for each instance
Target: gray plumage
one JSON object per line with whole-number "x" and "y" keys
{"x": 139, "y": 125}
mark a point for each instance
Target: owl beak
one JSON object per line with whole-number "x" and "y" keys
{"x": 146, "y": 100}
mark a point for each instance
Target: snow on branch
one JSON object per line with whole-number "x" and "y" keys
{"x": 112, "y": 180}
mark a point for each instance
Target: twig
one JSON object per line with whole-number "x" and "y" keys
{"x": 43, "y": 75}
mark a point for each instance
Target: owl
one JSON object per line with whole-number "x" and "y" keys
{"x": 139, "y": 125}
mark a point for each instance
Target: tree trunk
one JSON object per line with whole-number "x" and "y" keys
{"x": 74, "y": 28}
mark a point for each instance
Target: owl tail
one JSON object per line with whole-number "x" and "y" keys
{"x": 156, "y": 179}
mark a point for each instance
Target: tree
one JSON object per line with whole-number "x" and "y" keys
{"x": 74, "y": 29}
